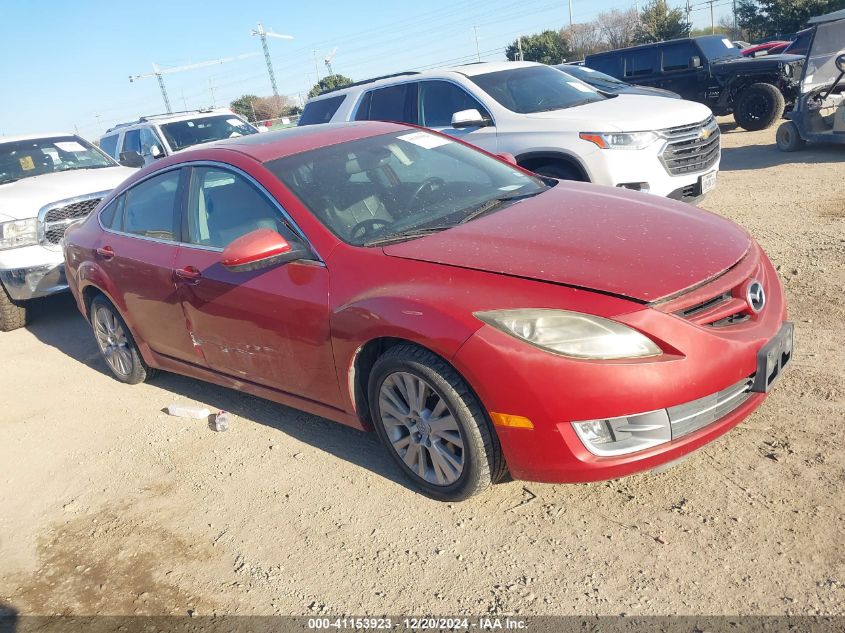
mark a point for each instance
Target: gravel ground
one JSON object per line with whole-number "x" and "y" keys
{"x": 110, "y": 506}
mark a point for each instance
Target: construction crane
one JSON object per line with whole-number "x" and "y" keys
{"x": 158, "y": 72}
{"x": 328, "y": 60}
{"x": 264, "y": 34}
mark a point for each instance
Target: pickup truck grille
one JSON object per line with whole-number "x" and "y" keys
{"x": 691, "y": 148}
{"x": 56, "y": 217}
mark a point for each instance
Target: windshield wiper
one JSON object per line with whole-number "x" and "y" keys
{"x": 493, "y": 204}
{"x": 407, "y": 235}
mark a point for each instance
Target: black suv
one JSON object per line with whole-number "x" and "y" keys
{"x": 712, "y": 71}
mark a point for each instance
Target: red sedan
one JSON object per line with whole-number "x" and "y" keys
{"x": 480, "y": 318}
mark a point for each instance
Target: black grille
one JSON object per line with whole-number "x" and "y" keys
{"x": 686, "y": 150}
{"x": 57, "y": 220}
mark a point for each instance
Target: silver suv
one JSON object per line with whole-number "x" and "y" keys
{"x": 141, "y": 142}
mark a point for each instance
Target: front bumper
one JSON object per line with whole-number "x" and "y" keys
{"x": 701, "y": 363}
{"x": 35, "y": 281}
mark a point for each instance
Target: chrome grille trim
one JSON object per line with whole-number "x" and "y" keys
{"x": 696, "y": 414}
{"x": 54, "y": 218}
{"x": 686, "y": 151}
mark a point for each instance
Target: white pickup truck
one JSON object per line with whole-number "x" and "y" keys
{"x": 47, "y": 181}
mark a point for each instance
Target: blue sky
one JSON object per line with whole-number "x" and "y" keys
{"x": 66, "y": 64}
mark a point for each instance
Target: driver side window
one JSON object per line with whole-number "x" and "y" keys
{"x": 439, "y": 100}
{"x": 223, "y": 206}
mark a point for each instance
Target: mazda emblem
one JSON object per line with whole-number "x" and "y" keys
{"x": 756, "y": 296}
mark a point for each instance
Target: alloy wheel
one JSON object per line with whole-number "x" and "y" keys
{"x": 113, "y": 342}
{"x": 421, "y": 428}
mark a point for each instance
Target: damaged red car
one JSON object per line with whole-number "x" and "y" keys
{"x": 479, "y": 318}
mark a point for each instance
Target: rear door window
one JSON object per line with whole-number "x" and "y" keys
{"x": 109, "y": 145}
{"x": 393, "y": 103}
{"x": 150, "y": 208}
{"x": 641, "y": 63}
{"x": 320, "y": 111}
{"x": 439, "y": 100}
{"x": 677, "y": 56}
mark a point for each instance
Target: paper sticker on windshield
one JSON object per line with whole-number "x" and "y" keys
{"x": 581, "y": 87}
{"x": 69, "y": 146}
{"x": 424, "y": 139}
{"x": 727, "y": 42}
{"x": 235, "y": 122}
{"x": 26, "y": 163}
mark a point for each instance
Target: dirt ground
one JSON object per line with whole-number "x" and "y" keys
{"x": 109, "y": 506}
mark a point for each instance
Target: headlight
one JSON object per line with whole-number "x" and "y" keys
{"x": 620, "y": 140}
{"x": 572, "y": 333}
{"x": 18, "y": 233}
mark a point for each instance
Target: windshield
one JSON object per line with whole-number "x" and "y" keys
{"x": 828, "y": 44}
{"x": 535, "y": 89}
{"x": 592, "y": 77}
{"x": 400, "y": 185}
{"x": 715, "y": 47}
{"x": 182, "y": 134}
{"x": 36, "y": 157}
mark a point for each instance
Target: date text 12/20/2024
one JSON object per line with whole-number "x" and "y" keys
{"x": 487, "y": 623}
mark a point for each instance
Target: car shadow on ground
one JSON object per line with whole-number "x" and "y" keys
{"x": 8, "y": 618}
{"x": 751, "y": 157}
{"x": 56, "y": 322}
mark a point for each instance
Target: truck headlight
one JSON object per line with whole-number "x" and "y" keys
{"x": 620, "y": 140}
{"x": 17, "y": 233}
{"x": 571, "y": 333}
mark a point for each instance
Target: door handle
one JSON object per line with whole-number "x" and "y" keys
{"x": 188, "y": 274}
{"x": 106, "y": 252}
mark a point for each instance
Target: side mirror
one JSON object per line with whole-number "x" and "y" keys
{"x": 131, "y": 159}
{"x": 155, "y": 151}
{"x": 695, "y": 61}
{"x": 468, "y": 118}
{"x": 840, "y": 63}
{"x": 508, "y": 158}
{"x": 260, "y": 249}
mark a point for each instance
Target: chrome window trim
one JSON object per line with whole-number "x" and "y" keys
{"x": 219, "y": 165}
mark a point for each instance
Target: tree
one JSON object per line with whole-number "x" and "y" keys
{"x": 548, "y": 47}
{"x": 584, "y": 39}
{"x": 658, "y": 23}
{"x": 271, "y": 107}
{"x": 243, "y": 106}
{"x": 617, "y": 27}
{"x": 769, "y": 18}
{"x": 329, "y": 82}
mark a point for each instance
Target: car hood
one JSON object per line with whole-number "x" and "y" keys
{"x": 629, "y": 244}
{"x": 648, "y": 91}
{"x": 25, "y": 197}
{"x": 754, "y": 64}
{"x": 628, "y": 113}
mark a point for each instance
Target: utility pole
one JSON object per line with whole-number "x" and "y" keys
{"x": 316, "y": 66}
{"x": 712, "y": 19}
{"x": 519, "y": 46}
{"x": 736, "y": 29}
{"x": 689, "y": 22}
{"x": 263, "y": 34}
{"x": 477, "y": 50}
{"x": 570, "y": 22}
{"x": 211, "y": 87}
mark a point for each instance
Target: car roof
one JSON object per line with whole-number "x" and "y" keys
{"x": 468, "y": 70}
{"x": 32, "y": 137}
{"x": 167, "y": 117}
{"x": 830, "y": 17}
{"x": 272, "y": 145}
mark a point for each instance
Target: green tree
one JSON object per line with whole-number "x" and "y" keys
{"x": 243, "y": 106}
{"x": 761, "y": 19}
{"x": 330, "y": 82}
{"x": 548, "y": 47}
{"x": 658, "y": 23}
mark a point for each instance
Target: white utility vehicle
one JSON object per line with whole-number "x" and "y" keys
{"x": 47, "y": 181}
{"x": 551, "y": 122}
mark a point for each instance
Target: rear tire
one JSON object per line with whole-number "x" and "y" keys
{"x": 788, "y": 138}
{"x": 13, "y": 314}
{"x": 558, "y": 170}
{"x": 758, "y": 107}
{"x": 116, "y": 344}
{"x": 432, "y": 424}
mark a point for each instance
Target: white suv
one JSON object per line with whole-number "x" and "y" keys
{"x": 552, "y": 123}
{"x": 47, "y": 182}
{"x": 141, "y": 142}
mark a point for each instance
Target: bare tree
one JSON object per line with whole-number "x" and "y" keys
{"x": 584, "y": 39}
{"x": 618, "y": 28}
{"x": 270, "y": 107}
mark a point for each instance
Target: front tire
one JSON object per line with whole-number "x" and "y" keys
{"x": 433, "y": 425}
{"x": 758, "y": 107}
{"x": 788, "y": 138}
{"x": 116, "y": 344}
{"x": 13, "y": 314}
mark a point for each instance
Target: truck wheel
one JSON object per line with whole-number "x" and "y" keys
{"x": 788, "y": 138}
{"x": 13, "y": 315}
{"x": 758, "y": 106}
